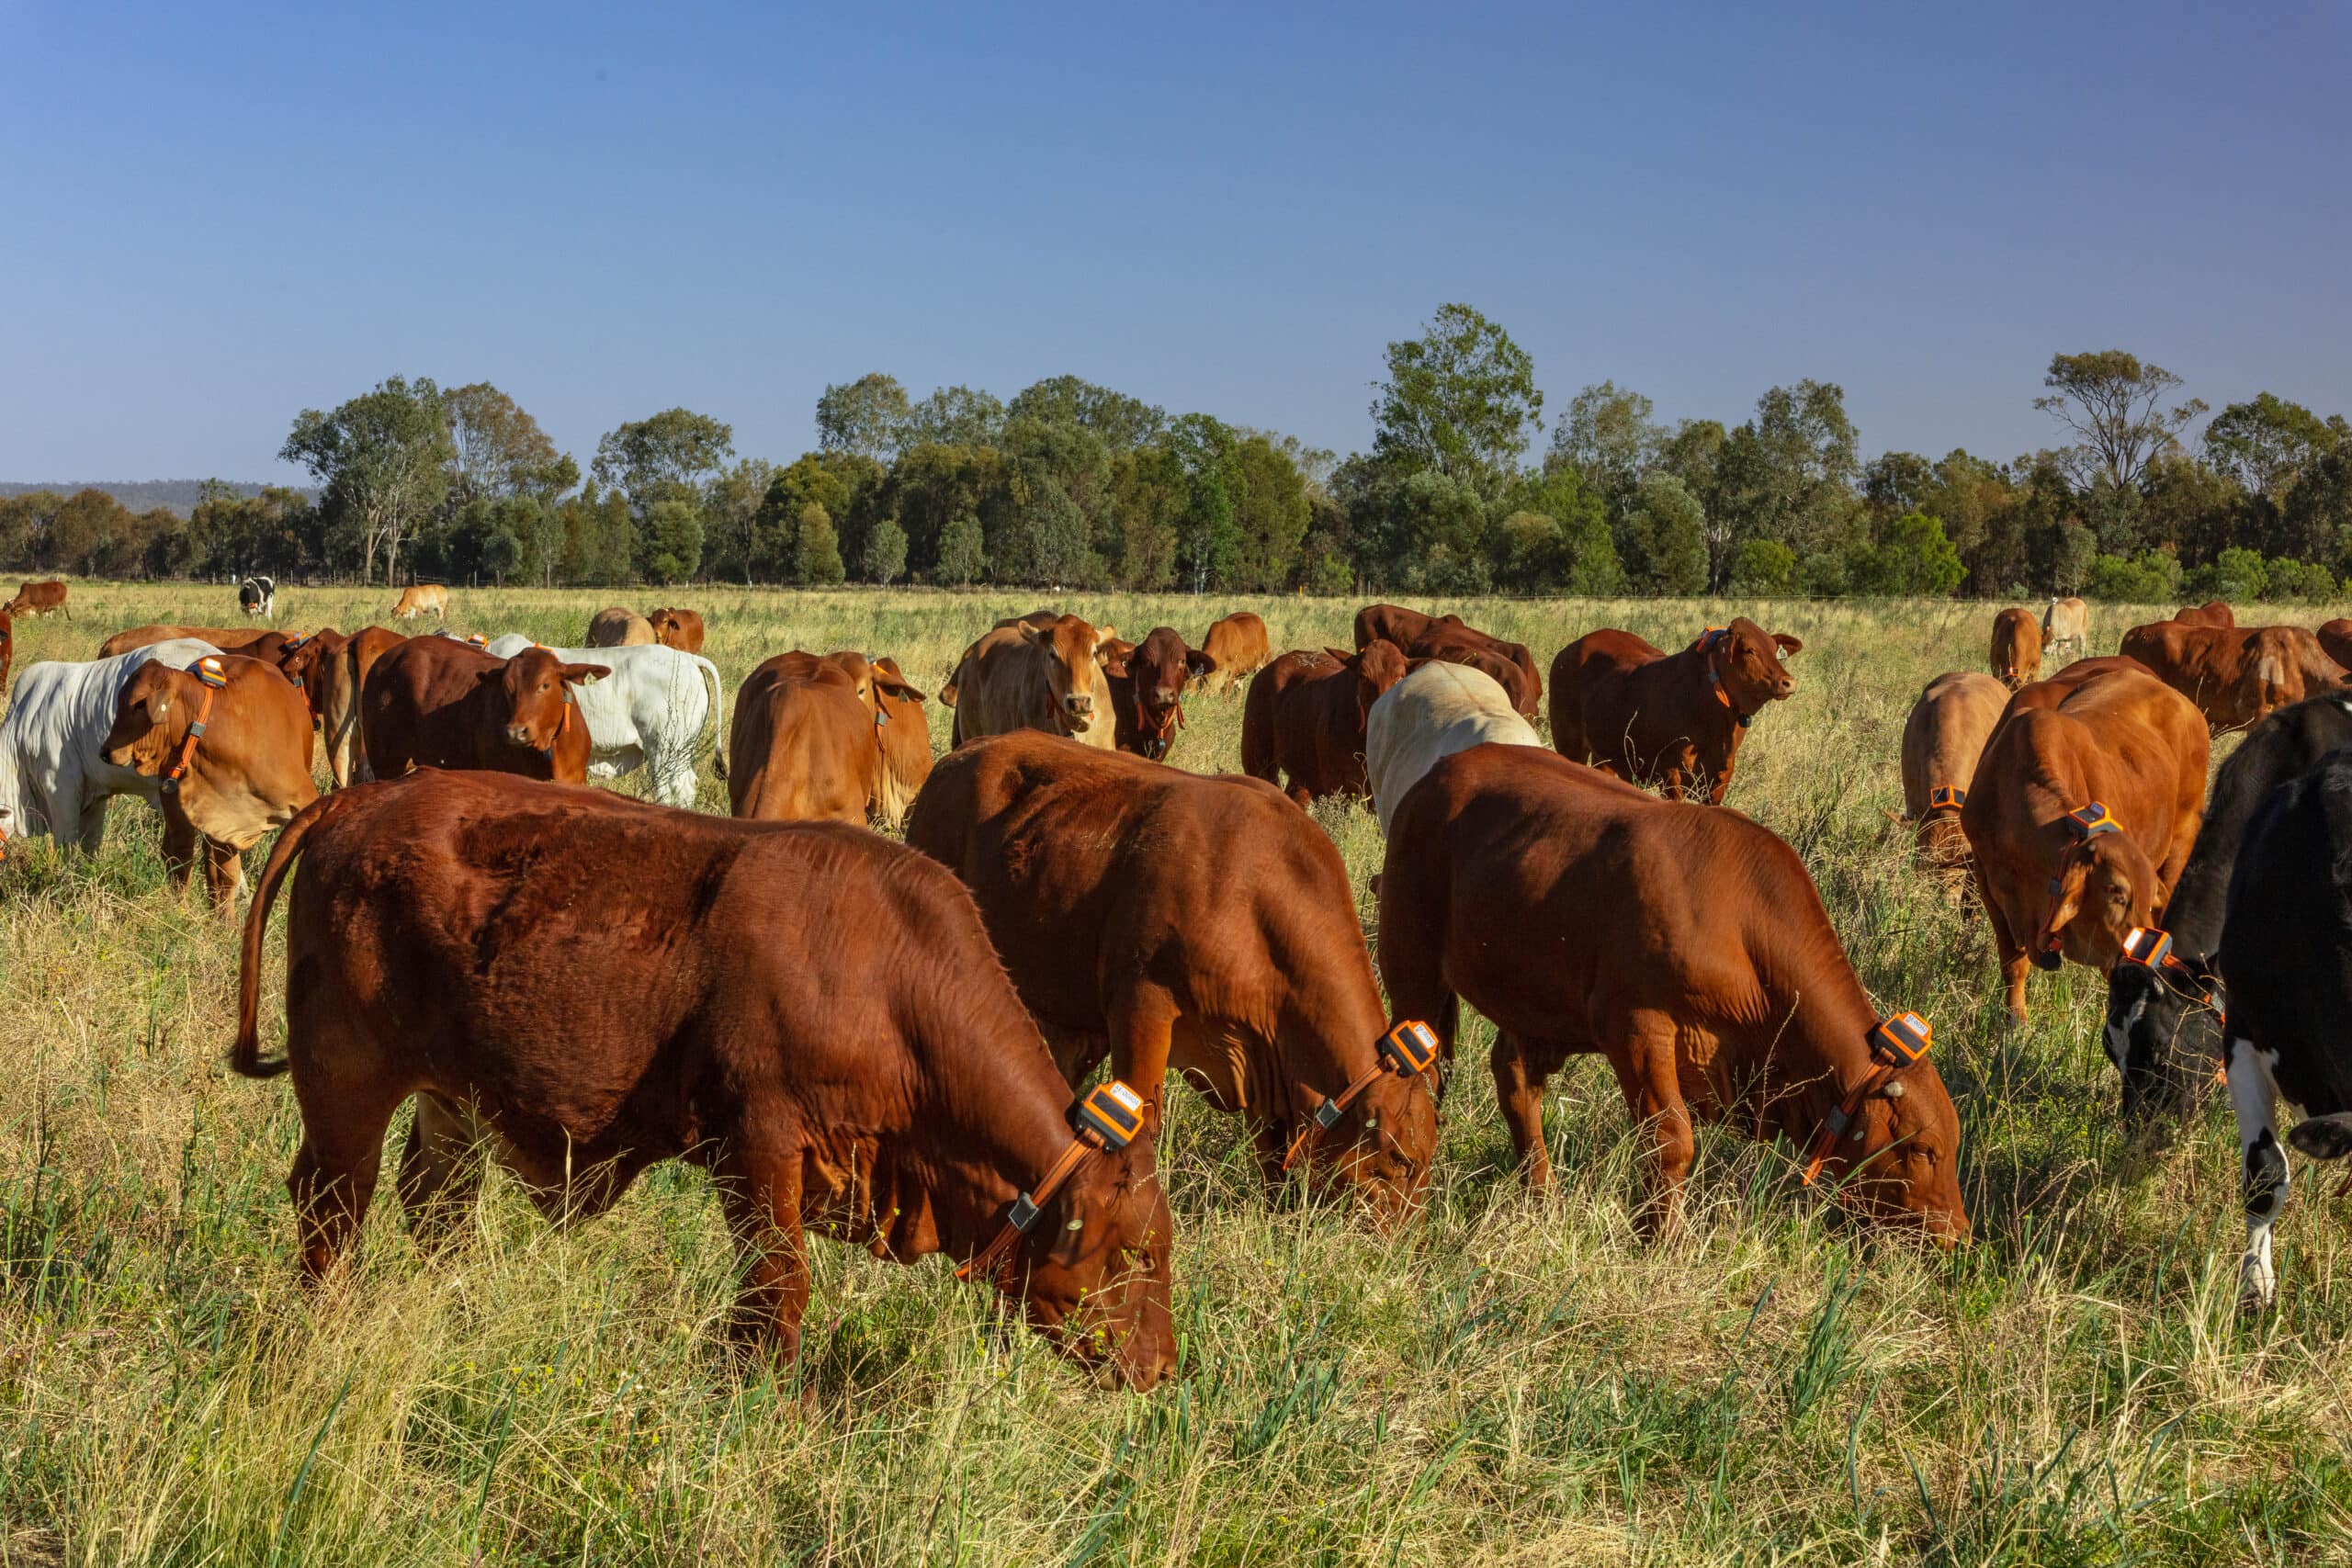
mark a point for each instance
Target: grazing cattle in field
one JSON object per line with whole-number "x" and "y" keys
{"x": 2234, "y": 674}
{"x": 1023, "y": 676}
{"x": 1239, "y": 646}
{"x": 229, "y": 749}
{"x": 1432, "y": 712}
{"x": 2164, "y": 999}
{"x": 2284, "y": 938}
{"x": 1303, "y": 722}
{"x": 422, "y": 599}
{"x": 2067, "y": 623}
{"x": 258, "y": 597}
{"x": 228, "y": 639}
{"x": 2213, "y": 612}
{"x": 1166, "y": 919}
{"x": 55, "y": 776}
{"x": 813, "y": 740}
{"x": 2080, "y": 818}
{"x": 1584, "y": 916}
{"x": 39, "y": 599}
{"x": 618, "y": 627}
{"x": 1679, "y": 718}
{"x": 1455, "y": 642}
{"x": 1146, "y": 687}
{"x": 589, "y": 984}
{"x": 2016, "y": 648}
{"x": 332, "y": 671}
{"x": 434, "y": 701}
{"x": 1941, "y": 739}
{"x": 649, "y": 713}
{"x": 680, "y": 629}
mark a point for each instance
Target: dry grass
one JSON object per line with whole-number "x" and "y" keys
{"x": 1509, "y": 1379}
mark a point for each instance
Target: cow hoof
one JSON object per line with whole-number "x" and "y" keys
{"x": 2257, "y": 1285}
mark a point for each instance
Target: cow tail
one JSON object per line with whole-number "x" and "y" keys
{"x": 245, "y": 1056}
{"x": 718, "y": 718}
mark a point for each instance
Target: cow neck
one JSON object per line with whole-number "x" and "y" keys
{"x": 1004, "y": 1129}
{"x": 1820, "y": 1050}
{"x": 2192, "y": 915}
{"x": 1714, "y": 696}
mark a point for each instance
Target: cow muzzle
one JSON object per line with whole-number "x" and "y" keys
{"x": 1078, "y": 706}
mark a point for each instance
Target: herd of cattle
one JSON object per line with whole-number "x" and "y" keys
{"x": 878, "y": 1042}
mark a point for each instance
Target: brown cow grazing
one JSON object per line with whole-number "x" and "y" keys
{"x": 1165, "y": 918}
{"x": 1303, "y": 722}
{"x": 39, "y": 599}
{"x": 2213, "y": 612}
{"x": 2234, "y": 674}
{"x": 231, "y": 747}
{"x": 1689, "y": 947}
{"x": 434, "y": 701}
{"x": 2052, "y": 690}
{"x": 1947, "y": 730}
{"x": 482, "y": 944}
{"x": 1631, "y": 710}
{"x": 618, "y": 627}
{"x": 680, "y": 629}
{"x": 1146, "y": 685}
{"x": 2080, "y": 817}
{"x": 1452, "y": 640}
{"x": 1023, "y": 676}
{"x": 422, "y": 599}
{"x": 1239, "y": 646}
{"x": 228, "y": 639}
{"x": 2016, "y": 648}
{"x": 813, "y": 740}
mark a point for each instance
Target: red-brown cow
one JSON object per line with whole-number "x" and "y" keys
{"x": 332, "y": 675}
{"x": 244, "y": 774}
{"x": 680, "y": 629}
{"x": 2016, "y": 648}
{"x": 811, "y": 741}
{"x": 1452, "y": 640}
{"x": 1146, "y": 684}
{"x": 1240, "y": 645}
{"x": 2213, "y": 612}
{"x": 2234, "y": 674}
{"x": 1302, "y": 723}
{"x": 433, "y": 702}
{"x": 2336, "y": 641}
{"x": 2080, "y": 817}
{"x": 1679, "y": 718}
{"x": 40, "y": 599}
{"x": 1941, "y": 739}
{"x": 228, "y": 639}
{"x": 1687, "y": 946}
{"x": 1171, "y": 920}
{"x": 590, "y": 983}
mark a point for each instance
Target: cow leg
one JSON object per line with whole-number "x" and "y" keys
{"x": 1521, "y": 1069}
{"x": 224, "y": 874}
{"x": 2015, "y": 963}
{"x": 1143, "y": 1026}
{"x": 760, "y": 1189}
{"x": 2255, "y": 1099}
{"x": 440, "y": 1170}
{"x": 180, "y": 847}
{"x": 1647, "y": 1076}
{"x": 334, "y": 1177}
{"x": 90, "y": 827}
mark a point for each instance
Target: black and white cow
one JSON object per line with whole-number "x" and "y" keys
{"x": 2163, "y": 1021}
{"x": 2287, "y": 958}
{"x": 258, "y": 597}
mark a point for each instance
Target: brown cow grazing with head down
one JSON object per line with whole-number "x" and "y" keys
{"x": 1239, "y": 646}
{"x": 39, "y": 599}
{"x": 618, "y": 627}
{"x": 2016, "y": 648}
{"x": 1452, "y": 640}
{"x": 1303, "y": 722}
{"x": 1689, "y": 947}
{"x": 2080, "y": 817}
{"x": 422, "y": 599}
{"x": 1024, "y": 675}
{"x": 2067, "y": 623}
{"x": 480, "y": 944}
{"x": 1146, "y": 685}
{"x": 812, "y": 740}
{"x": 1947, "y": 730}
{"x": 1171, "y": 920}
{"x": 243, "y": 773}
{"x": 2213, "y": 612}
{"x": 680, "y": 629}
{"x": 2234, "y": 674}
{"x": 433, "y": 702}
{"x": 1679, "y": 718}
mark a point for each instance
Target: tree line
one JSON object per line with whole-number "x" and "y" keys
{"x": 1465, "y": 491}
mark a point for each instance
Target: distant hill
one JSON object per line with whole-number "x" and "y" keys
{"x": 139, "y": 495}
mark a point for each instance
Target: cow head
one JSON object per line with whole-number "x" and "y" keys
{"x": 1749, "y": 664}
{"x": 1093, "y": 1277}
{"x": 1383, "y": 1146}
{"x": 150, "y": 719}
{"x": 1072, "y": 671}
{"x": 2163, "y": 1033}
{"x": 530, "y": 699}
{"x": 2106, "y": 885}
{"x": 1380, "y": 666}
{"x": 301, "y": 659}
{"x": 1906, "y": 1170}
{"x": 1158, "y": 668}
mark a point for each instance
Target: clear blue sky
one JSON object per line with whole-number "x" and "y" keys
{"x": 218, "y": 214}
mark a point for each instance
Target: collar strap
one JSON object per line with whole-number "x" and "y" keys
{"x": 1408, "y": 1050}
{"x": 1109, "y": 1118}
{"x": 1895, "y": 1043}
{"x": 1703, "y": 647}
{"x": 1945, "y": 795}
{"x": 2151, "y": 949}
{"x": 208, "y": 671}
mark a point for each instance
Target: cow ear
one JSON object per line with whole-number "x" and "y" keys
{"x": 896, "y": 685}
{"x": 2323, "y": 1137}
{"x": 1113, "y": 663}
{"x": 1336, "y": 653}
{"x": 1105, "y": 634}
{"x": 575, "y": 673}
{"x": 1788, "y": 644}
{"x": 1029, "y": 634}
{"x": 1198, "y": 662}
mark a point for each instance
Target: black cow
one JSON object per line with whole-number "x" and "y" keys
{"x": 2163, "y": 1021}
{"x": 2287, "y": 957}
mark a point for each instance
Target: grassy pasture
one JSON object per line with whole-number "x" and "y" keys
{"x": 1507, "y": 1380}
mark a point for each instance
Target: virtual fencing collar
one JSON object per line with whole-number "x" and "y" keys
{"x": 2151, "y": 949}
{"x": 1895, "y": 1043}
{"x": 207, "y": 670}
{"x": 1109, "y": 1118}
{"x": 1408, "y": 1050}
{"x": 1944, "y": 796}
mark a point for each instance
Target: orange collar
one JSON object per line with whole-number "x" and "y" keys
{"x": 1895, "y": 1044}
{"x": 208, "y": 670}
{"x": 1108, "y": 1119}
{"x": 1408, "y": 1050}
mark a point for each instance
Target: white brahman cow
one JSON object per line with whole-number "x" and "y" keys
{"x": 1426, "y": 718}
{"x": 54, "y": 777}
{"x": 647, "y": 713}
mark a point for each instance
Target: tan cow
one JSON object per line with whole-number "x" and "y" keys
{"x": 835, "y": 738}
{"x": 2016, "y": 648}
{"x": 2067, "y": 622}
{"x": 420, "y": 599}
{"x": 1240, "y": 647}
{"x": 39, "y": 599}
{"x": 2234, "y": 674}
{"x": 618, "y": 627}
{"x": 1024, "y": 676}
{"x": 1942, "y": 740}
